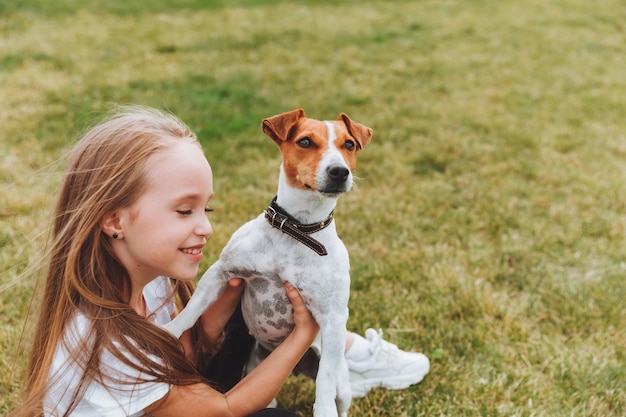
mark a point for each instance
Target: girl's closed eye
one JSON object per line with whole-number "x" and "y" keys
{"x": 190, "y": 212}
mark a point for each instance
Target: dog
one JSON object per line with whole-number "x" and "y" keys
{"x": 295, "y": 240}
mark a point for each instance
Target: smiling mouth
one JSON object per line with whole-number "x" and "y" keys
{"x": 192, "y": 251}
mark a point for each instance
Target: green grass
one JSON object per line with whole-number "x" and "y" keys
{"x": 488, "y": 226}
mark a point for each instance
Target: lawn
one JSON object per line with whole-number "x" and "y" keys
{"x": 488, "y": 226}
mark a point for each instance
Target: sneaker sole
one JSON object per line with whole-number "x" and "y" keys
{"x": 361, "y": 388}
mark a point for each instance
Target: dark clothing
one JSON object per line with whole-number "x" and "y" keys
{"x": 273, "y": 412}
{"x": 226, "y": 368}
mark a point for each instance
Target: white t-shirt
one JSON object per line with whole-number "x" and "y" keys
{"x": 107, "y": 398}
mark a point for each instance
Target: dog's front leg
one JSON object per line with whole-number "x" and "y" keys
{"x": 210, "y": 287}
{"x": 332, "y": 384}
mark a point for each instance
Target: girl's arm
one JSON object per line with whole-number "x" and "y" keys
{"x": 256, "y": 390}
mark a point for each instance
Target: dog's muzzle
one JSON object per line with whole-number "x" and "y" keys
{"x": 336, "y": 180}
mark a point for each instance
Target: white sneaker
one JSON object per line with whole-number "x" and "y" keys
{"x": 387, "y": 366}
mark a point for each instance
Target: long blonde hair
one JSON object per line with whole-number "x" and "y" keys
{"x": 106, "y": 171}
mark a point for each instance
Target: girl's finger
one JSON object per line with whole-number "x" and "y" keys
{"x": 235, "y": 282}
{"x": 293, "y": 293}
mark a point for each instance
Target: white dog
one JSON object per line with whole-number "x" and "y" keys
{"x": 295, "y": 240}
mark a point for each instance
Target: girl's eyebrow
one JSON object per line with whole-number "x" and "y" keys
{"x": 183, "y": 197}
{"x": 191, "y": 197}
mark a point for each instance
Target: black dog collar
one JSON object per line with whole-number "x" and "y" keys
{"x": 279, "y": 219}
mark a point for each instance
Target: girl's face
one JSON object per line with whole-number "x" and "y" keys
{"x": 165, "y": 230}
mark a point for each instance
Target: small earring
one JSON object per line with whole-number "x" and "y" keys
{"x": 115, "y": 235}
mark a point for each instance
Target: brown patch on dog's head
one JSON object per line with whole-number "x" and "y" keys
{"x": 303, "y": 143}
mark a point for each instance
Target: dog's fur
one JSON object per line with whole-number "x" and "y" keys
{"x": 318, "y": 160}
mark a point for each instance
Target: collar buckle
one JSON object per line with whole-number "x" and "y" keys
{"x": 279, "y": 219}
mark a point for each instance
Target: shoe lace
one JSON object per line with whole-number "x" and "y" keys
{"x": 381, "y": 349}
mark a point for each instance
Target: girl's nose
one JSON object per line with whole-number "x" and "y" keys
{"x": 204, "y": 227}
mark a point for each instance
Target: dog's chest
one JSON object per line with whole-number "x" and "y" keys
{"x": 267, "y": 310}
{"x": 265, "y": 258}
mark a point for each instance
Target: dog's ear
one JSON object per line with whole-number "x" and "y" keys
{"x": 361, "y": 133}
{"x": 278, "y": 127}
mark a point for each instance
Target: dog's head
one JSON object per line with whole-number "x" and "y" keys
{"x": 317, "y": 155}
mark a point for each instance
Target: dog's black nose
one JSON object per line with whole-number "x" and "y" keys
{"x": 338, "y": 173}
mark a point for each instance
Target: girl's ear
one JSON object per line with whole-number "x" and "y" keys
{"x": 111, "y": 225}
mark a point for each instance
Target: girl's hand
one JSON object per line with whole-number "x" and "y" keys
{"x": 306, "y": 326}
{"x": 257, "y": 389}
{"x": 234, "y": 290}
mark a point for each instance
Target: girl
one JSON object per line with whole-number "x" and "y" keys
{"x": 129, "y": 222}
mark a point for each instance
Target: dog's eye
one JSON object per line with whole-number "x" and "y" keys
{"x": 305, "y": 142}
{"x": 349, "y": 145}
